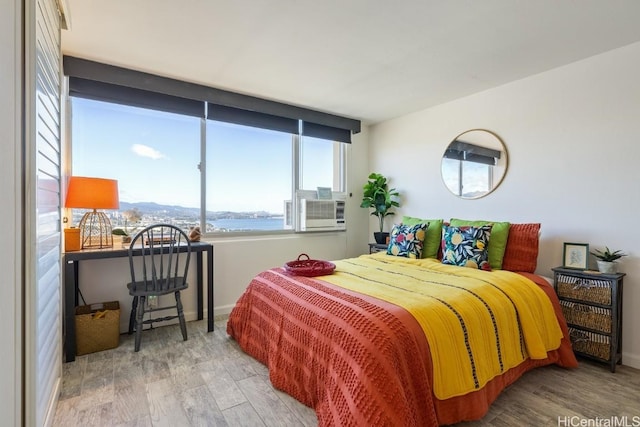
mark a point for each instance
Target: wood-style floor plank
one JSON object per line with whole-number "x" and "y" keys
{"x": 267, "y": 404}
{"x": 164, "y": 406}
{"x": 243, "y": 415}
{"x": 208, "y": 381}
{"x": 201, "y": 409}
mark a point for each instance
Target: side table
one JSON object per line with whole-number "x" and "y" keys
{"x": 592, "y": 306}
{"x": 377, "y": 247}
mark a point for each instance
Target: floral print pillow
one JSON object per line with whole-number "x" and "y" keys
{"x": 466, "y": 246}
{"x": 407, "y": 240}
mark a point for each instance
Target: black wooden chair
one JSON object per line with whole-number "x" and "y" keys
{"x": 160, "y": 270}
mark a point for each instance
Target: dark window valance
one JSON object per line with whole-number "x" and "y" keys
{"x": 460, "y": 150}
{"x": 326, "y": 132}
{"x": 99, "y": 91}
{"x": 163, "y": 93}
{"x": 251, "y": 118}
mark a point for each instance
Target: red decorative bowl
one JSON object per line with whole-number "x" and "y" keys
{"x": 309, "y": 267}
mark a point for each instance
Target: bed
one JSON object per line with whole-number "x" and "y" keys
{"x": 388, "y": 340}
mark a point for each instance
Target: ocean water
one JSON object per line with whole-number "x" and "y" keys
{"x": 244, "y": 224}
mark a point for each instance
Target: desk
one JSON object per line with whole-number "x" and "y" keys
{"x": 70, "y": 278}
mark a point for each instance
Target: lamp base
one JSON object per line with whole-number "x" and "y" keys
{"x": 95, "y": 231}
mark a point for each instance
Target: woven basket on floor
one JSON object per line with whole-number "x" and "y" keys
{"x": 97, "y": 327}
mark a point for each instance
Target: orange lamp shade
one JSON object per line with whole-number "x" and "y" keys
{"x": 92, "y": 193}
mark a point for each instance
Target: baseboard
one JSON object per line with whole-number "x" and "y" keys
{"x": 221, "y": 312}
{"x": 632, "y": 360}
{"x": 53, "y": 403}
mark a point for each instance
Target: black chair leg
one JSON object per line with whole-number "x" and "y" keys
{"x": 132, "y": 315}
{"x": 183, "y": 324}
{"x": 139, "y": 319}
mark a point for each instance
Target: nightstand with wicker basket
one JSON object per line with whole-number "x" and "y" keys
{"x": 592, "y": 306}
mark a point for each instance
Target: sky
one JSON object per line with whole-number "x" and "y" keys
{"x": 155, "y": 157}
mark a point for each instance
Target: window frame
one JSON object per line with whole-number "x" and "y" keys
{"x": 339, "y": 173}
{"x": 459, "y": 166}
{"x": 109, "y": 83}
{"x": 232, "y": 233}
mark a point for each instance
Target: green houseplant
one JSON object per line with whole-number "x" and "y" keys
{"x": 379, "y": 197}
{"x": 124, "y": 236}
{"x": 129, "y": 216}
{"x": 607, "y": 259}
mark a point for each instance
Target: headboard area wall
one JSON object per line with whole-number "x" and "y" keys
{"x": 572, "y": 137}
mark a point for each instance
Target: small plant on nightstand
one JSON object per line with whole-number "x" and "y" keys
{"x": 607, "y": 259}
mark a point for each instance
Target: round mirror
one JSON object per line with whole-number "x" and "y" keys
{"x": 474, "y": 164}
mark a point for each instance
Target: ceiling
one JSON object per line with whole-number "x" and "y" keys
{"x": 366, "y": 59}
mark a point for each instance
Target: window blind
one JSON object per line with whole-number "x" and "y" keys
{"x": 99, "y": 91}
{"x": 100, "y": 81}
{"x": 326, "y": 132}
{"x": 43, "y": 324}
{"x": 251, "y": 118}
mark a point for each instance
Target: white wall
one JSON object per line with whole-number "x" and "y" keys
{"x": 238, "y": 260}
{"x": 573, "y": 140}
{"x": 10, "y": 212}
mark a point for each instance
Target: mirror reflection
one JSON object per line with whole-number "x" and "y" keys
{"x": 474, "y": 164}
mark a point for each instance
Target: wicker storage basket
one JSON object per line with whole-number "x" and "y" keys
{"x": 97, "y": 327}
{"x": 590, "y": 343}
{"x": 587, "y": 316}
{"x": 309, "y": 267}
{"x": 592, "y": 290}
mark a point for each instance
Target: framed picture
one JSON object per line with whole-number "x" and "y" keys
{"x": 324, "y": 193}
{"x": 576, "y": 255}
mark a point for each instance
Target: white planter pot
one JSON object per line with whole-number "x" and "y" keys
{"x": 607, "y": 267}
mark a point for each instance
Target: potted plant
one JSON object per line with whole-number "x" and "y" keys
{"x": 381, "y": 198}
{"x": 607, "y": 260}
{"x": 124, "y": 237}
{"x": 129, "y": 216}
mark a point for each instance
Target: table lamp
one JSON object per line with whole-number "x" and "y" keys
{"x": 93, "y": 193}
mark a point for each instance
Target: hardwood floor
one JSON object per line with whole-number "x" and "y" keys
{"x": 209, "y": 381}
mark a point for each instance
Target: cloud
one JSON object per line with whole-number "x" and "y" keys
{"x": 146, "y": 151}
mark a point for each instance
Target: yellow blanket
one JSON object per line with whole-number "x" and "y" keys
{"x": 478, "y": 324}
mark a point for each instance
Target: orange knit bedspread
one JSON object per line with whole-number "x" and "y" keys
{"x": 355, "y": 359}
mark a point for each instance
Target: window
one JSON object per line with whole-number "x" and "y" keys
{"x": 249, "y": 170}
{"x": 320, "y": 164}
{"x": 478, "y": 177}
{"x": 451, "y": 174}
{"x": 136, "y": 146}
{"x": 239, "y": 161}
{"x": 248, "y": 177}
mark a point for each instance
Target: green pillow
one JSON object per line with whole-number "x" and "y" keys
{"x": 498, "y": 242}
{"x": 433, "y": 237}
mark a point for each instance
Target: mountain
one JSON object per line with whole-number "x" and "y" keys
{"x": 174, "y": 211}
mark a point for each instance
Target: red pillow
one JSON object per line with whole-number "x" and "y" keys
{"x": 521, "y": 253}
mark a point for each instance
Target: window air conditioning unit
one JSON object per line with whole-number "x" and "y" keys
{"x": 322, "y": 215}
